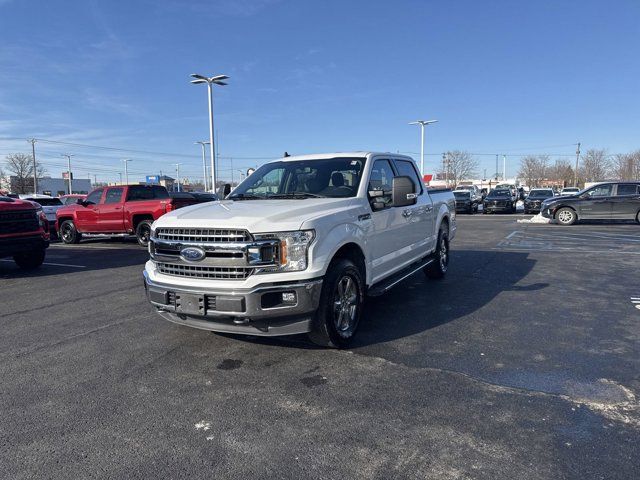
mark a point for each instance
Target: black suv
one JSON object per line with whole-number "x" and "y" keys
{"x": 604, "y": 201}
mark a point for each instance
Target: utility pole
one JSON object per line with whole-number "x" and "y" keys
{"x": 126, "y": 170}
{"x": 95, "y": 179}
{"x": 178, "y": 174}
{"x": 68, "y": 170}
{"x": 575, "y": 174}
{"x": 231, "y": 160}
{"x": 35, "y": 168}
{"x": 497, "y": 167}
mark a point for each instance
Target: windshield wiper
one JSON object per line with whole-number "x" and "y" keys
{"x": 296, "y": 195}
{"x": 245, "y": 196}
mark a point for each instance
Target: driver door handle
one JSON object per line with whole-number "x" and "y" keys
{"x": 407, "y": 213}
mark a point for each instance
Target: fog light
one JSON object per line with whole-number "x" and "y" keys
{"x": 288, "y": 297}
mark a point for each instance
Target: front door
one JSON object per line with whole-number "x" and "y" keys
{"x": 87, "y": 215}
{"x": 597, "y": 203}
{"x": 390, "y": 242}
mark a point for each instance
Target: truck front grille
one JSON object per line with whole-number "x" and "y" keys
{"x": 202, "y": 235}
{"x": 216, "y": 273}
{"x": 18, "y": 222}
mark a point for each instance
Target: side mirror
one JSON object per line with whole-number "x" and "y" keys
{"x": 224, "y": 190}
{"x": 403, "y": 192}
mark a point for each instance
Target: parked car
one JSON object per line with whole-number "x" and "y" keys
{"x": 50, "y": 206}
{"x": 72, "y": 199}
{"x": 604, "y": 201}
{"x": 499, "y": 200}
{"x": 24, "y": 232}
{"x": 466, "y": 202}
{"x": 569, "y": 191}
{"x": 535, "y": 198}
{"x": 509, "y": 186}
{"x": 297, "y": 246}
{"x": 117, "y": 211}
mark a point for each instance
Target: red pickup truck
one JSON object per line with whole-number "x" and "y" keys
{"x": 24, "y": 232}
{"x": 117, "y": 211}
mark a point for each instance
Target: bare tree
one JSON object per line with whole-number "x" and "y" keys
{"x": 561, "y": 171}
{"x": 534, "y": 169}
{"x": 459, "y": 165}
{"x": 595, "y": 165}
{"x": 626, "y": 166}
{"x": 20, "y": 166}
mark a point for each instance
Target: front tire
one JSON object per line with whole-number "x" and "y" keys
{"x": 143, "y": 232}
{"x": 566, "y": 216}
{"x": 341, "y": 302}
{"x": 69, "y": 233}
{"x": 438, "y": 268}
{"x": 30, "y": 260}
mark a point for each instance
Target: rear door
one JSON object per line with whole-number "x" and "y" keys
{"x": 87, "y": 215}
{"x": 597, "y": 203}
{"x": 110, "y": 211}
{"x": 625, "y": 204}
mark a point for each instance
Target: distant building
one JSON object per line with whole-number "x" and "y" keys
{"x": 46, "y": 185}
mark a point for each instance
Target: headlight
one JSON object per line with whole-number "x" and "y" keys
{"x": 294, "y": 247}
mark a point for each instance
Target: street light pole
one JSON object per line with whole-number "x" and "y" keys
{"x": 422, "y": 123}
{"x": 68, "y": 170}
{"x": 126, "y": 170}
{"x": 178, "y": 174}
{"x": 204, "y": 163}
{"x": 210, "y": 81}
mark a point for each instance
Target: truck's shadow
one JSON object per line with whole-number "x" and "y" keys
{"x": 474, "y": 279}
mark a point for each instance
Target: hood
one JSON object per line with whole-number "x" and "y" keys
{"x": 256, "y": 216}
{"x": 12, "y": 204}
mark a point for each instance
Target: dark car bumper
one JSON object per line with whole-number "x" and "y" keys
{"x": 13, "y": 245}
{"x": 498, "y": 208}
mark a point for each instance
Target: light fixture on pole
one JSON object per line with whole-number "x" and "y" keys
{"x": 422, "y": 124}
{"x": 218, "y": 80}
{"x": 68, "y": 156}
{"x": 178, "y": 174}
{"x": 126, "y": 170}
{"x": 204, "y": 162}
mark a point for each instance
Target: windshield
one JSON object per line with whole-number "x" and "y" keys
{"x": 571, "y": 189}
{"x": 47, "y": 202}
{"x": 499, "y": 194}
{"x": 541, "y": 193}
{"x": 459, "y": 194}
{"x": 332, "y": 177}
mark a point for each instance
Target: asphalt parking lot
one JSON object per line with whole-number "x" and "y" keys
{"x": 523, "y": 363}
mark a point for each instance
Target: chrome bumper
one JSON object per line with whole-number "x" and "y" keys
{"x": 258, "y": 311}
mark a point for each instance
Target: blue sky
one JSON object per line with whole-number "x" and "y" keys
{"x": 511, "y": 77}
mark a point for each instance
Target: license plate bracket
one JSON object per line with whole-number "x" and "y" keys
{"x": 190, "y": 303}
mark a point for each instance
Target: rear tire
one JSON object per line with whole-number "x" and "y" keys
{"x": 438, "y": 268}
{"x": 566, "y": 216}
{"x": 68, "y": 233}
{"x": 30, "y": 260}
{"x": 143, "y": 232}
{"x": 341, "y": 302}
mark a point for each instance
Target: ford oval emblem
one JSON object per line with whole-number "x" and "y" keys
{"x": 192, "y": 254}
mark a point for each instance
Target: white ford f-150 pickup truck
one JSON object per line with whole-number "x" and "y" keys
{"x": 298, "y": 245}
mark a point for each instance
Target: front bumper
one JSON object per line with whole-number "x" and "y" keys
{"x": 256, "y": 311}
{"x": 10, "y": 246}
{"x": 498, "y": 208}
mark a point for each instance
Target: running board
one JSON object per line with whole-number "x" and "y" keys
{"x": 106, "y": 235}
{"x": 388, "y": 283}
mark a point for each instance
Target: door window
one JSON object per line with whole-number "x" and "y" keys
{"x": 627, "y": 189}
{"x": 114, "y": 195}
{"x": 600, "y": 191}
{"x": 94, "y": 197}
{"x": 381, "y": 180}
{"x": 407, "y": 168}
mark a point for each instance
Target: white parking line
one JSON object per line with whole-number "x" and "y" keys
{"x": 53, "y": 264}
